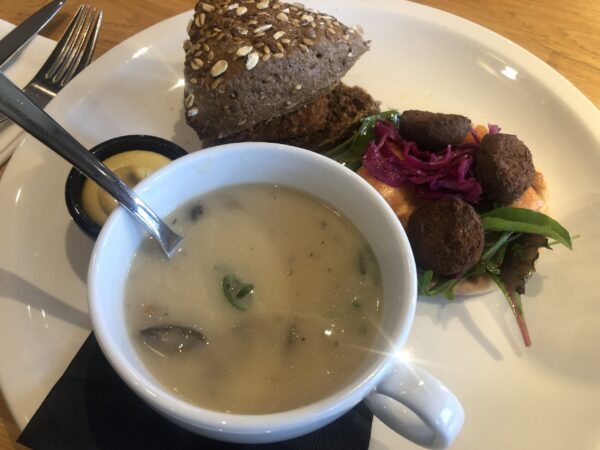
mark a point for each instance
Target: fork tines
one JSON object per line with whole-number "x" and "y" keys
{"x": 76, "y": 46}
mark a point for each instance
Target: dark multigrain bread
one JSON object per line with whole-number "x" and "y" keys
{"x": 308, "y": 119}
{"x": 317, "y": 126}
{"x": 249, "y": 61}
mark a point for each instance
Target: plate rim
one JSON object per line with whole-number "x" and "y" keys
{"x": 577, "y": 103}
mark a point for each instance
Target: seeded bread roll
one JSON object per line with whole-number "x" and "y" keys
{"x": 319, "y": 125}
{"x": 249, "y": 61}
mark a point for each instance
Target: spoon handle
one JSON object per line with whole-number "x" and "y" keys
{"x": 18, "y": 107}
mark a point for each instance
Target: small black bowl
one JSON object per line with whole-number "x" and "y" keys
{"x": 76, "y": 179}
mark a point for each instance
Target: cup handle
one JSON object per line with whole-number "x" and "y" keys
{"x": 416, "y": 405}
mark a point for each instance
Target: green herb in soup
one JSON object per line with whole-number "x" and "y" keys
{"x": 284, "y": 289}
{"x": 236, "y": 291}
{"x": 367, "y": 264}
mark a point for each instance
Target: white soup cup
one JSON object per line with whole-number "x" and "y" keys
{"x": 405, "y": 397}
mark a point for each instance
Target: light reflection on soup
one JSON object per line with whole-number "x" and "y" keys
{"x": 284, "y": 289}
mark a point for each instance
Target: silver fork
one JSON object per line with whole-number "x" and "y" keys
{"x": 71, "y": 55}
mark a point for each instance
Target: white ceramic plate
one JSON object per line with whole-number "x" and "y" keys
{"x": 20, "y": 68}
{"x": 543, "y": 397}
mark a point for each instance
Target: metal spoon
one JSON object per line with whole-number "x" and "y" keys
{"x": 18, "y": 107}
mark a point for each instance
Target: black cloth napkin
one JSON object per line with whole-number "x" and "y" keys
{"x": 90, "y": 408}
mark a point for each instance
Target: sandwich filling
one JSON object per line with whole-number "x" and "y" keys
{"x": 472, "y": 202}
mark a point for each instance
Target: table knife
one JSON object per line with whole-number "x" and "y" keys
{"x": 19, "y": 36}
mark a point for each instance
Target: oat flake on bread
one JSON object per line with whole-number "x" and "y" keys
{"x": 246, "y": 60}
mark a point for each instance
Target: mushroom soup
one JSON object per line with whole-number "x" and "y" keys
{"x": 272, "y": 302}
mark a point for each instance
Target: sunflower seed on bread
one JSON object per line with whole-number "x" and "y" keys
{"x": 241, "y": 83}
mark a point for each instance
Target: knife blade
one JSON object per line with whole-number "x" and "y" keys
{"x": 20, "y": 35}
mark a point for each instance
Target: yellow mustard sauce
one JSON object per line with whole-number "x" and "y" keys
{"x": 132, "y": 167}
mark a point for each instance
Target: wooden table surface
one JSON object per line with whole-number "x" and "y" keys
{"x": 565, "y": 34}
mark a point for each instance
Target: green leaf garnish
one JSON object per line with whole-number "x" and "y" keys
{"x": 237, "y": 291}
{"x": 523, "y": 220}
{"x": 514, "y": 301}
{"x": 424, "y": 279}
{"x": 495, "y": 246}
{"x": 553, "y": 243}
{"x": 431, "y": 284}
{"x": 351, "y": 151}
{"x": 502, "y": 226}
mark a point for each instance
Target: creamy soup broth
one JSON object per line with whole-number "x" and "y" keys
{"x": 310, "y": 316}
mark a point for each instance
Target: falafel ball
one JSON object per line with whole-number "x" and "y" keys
{"x": 504, "y": 167}
{"x": 446, "y": 236}
{"x": 433, "y": 131}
